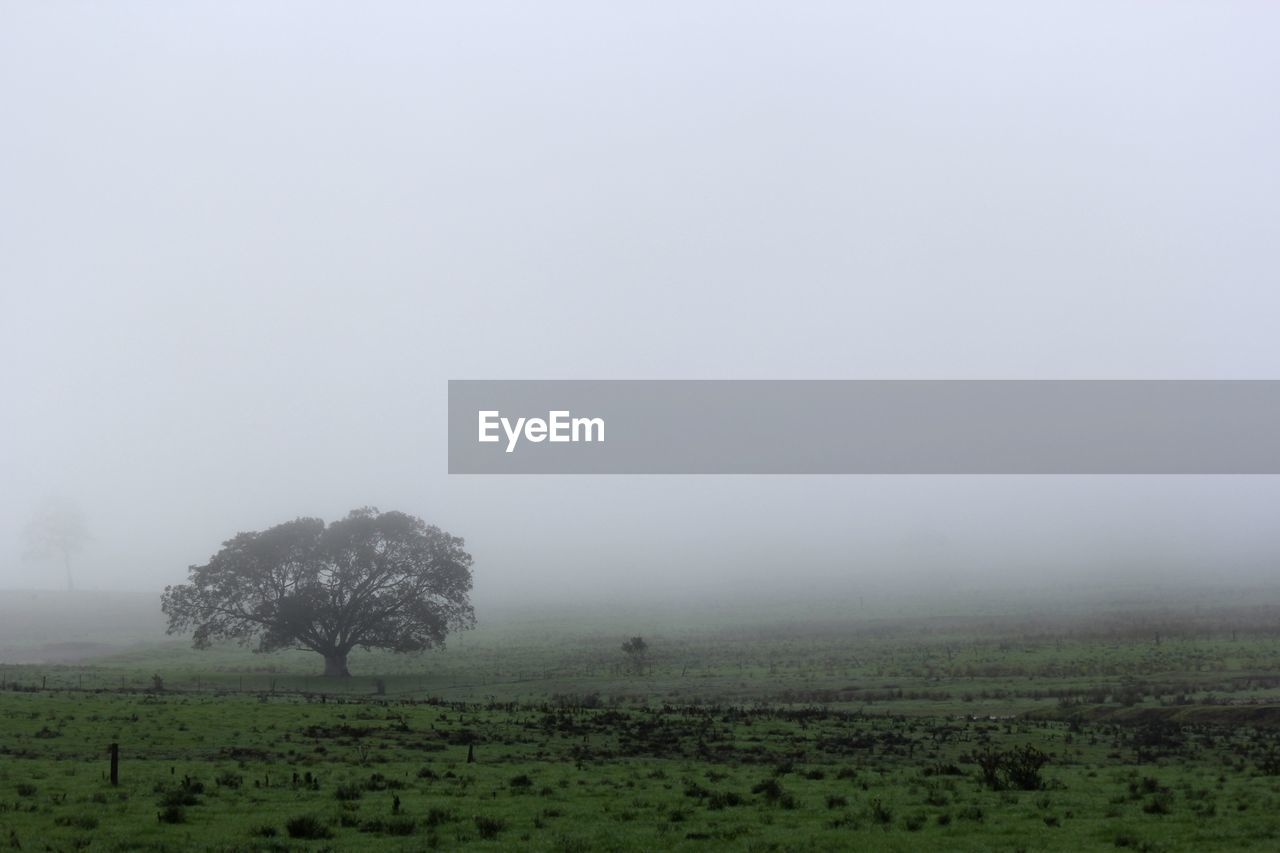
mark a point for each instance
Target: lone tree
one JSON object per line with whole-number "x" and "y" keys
{"x": 57, "y": 530}
{"x": 373, "y": 580}
{"x": 637, "y": 652}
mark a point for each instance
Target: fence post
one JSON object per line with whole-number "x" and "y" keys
{"x": 115, "y": 764}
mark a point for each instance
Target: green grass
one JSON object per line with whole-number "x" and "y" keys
{"x": 741, "y": 734}
{"x": 548, "y": 777}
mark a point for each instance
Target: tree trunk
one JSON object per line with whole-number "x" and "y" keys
{"x": 335, "y": 665}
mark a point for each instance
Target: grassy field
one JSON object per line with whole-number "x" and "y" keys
{"x": 1147, "y": 726}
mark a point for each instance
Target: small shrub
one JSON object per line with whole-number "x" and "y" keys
{"x": 724, "y": 799}
{"x": 181, "y": 796}
{"x": 936, "y": 798}
{"x": 1016, "y": 768}
{"x": 307, "y": 826}
{"x": 78, "y": 821}
{"x": 1022, "y": 766}
{"x": 401, "y": 826}
{"x": 489, "y": 827}
{"x": 172, "y": 814}
{"x": 770, "y": 789}
{"x": 438, "y": 816}
{"x": 696, "y": 791}
{"x": 1147, "y": 785}
{"x": 228, "y": 779}
{"x": 378, "y": 782}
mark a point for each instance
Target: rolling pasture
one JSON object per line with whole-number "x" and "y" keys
{"x": 979, "y": 726}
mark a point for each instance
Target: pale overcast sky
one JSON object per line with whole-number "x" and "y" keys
{"x": 244, "y": 245}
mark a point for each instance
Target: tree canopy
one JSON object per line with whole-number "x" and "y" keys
{"x": 371, "y": 580}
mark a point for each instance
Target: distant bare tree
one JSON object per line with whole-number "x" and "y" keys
{"x": 637, "y": 652}
{"x": 57, "y": 530}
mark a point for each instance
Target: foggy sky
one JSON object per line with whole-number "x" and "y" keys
{"x": 243, "y": 246}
